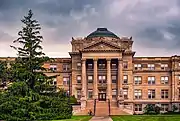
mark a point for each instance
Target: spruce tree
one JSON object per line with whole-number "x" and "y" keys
{"x": 30, "y": 56}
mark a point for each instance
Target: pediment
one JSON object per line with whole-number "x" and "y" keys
{"x": 101, "y": 45}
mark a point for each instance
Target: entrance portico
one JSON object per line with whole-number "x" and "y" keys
{"x": 102, "y": 71}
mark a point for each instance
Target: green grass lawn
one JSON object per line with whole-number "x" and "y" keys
{"x": 77, "y": 118}
{"x": 147, "y": 118}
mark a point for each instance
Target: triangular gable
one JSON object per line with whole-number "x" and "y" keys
{"x": 102, "y": 45}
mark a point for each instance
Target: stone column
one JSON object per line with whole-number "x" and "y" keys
{"x": 109, "y": 82}
{"x": 120, "y": 79}
{"x": 84, "y": 85}
{"x": 95, "y": 82}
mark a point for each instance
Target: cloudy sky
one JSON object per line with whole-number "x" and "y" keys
{"x": 153, "y": 24}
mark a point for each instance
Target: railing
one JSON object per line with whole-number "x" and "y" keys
{"x": 94, "y": 107}
{"x": 109, "y": 106}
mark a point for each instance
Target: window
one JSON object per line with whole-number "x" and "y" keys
{"x": 53, "y": 81}
{"x": 164, "y": 94}
{"x": 53, "y": 67}
{"x": 102, "y": 65}
{"x": 125, "y": 65}
{"x": 151, "y": 93}
{"x": 137, "y": 66}
{"x": 114, "y": 79}
{"x": 125, "y": 79}
{"x": 151, "y": 66}
{"x": 78, "y": 78}
{"x": 151, "y": 80}
{"x": 114, "y": 66}
{"x": 125, "y": 93}
{"x": 179, "y": 79}
{"x": 137, "y": 80}
{"x": 164, "y": 107}
{"x": 90, "y": 66}
{"x": 164, "y": 79}
{"x": 138, "y": 93}
{"x": 90, "y": 79}
{"x": 78, "y": 65}
{"x": 78, "y": 94}
{"x": 102, "y": 79}
{"x": 138, "y": 107}
{"x": 90, "y": 94}
{"x": 65, "y": 80}
{"x": 113, "y": 93}
{"x": 65, "y": 67}
{"x": 164, "y": 66}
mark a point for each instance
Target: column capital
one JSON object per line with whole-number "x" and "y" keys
{"x": 83, "y": 59}
{"x": 108, "y": 59}
{"x": 95, "y": 59}
{"x": 120, "y": 59}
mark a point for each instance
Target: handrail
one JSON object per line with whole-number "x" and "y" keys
{"x": 94, "y": 107}
{"x": 109, "y": 107}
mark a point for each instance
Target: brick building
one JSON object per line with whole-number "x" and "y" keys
{"x": 104, "y": 75}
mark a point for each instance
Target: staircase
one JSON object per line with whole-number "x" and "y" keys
{"x": 115, "y": 110}
{"x": 102, "y": 108}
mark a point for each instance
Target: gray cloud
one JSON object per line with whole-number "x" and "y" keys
{"x": 153, "y": 24}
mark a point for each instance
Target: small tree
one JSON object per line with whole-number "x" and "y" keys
{"x": 30, "y": 55}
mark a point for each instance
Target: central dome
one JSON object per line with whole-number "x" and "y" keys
{"x": 102, "y": 32}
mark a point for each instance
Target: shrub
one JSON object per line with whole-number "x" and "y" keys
{"x": 26, "y": 106}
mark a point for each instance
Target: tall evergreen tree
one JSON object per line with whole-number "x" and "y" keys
{"x": 30, "y": 56}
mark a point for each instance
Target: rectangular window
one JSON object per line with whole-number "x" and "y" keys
{"x": 151, "y": 93}
{"x": 102, "y": 65}
{"x": 66, "y": 67}
{"x": 137, "y": 66}
{"x": 164, "y": 79}
{"x": 78, "y": 94}
{"x": 114, "y": 66}
{"x": 78, "y": 65}
{"x": 164, "y": 94}
{"x": 138, "y": 107}
{"x": 138, "y": 93}
{"x": 53, "y": 67}
{"x": 179, "y": 79}
{"x": 125, "y": 79}
{"x": 125, "y": 93}
{"x": 137, "y": 80}
{"x": 90, "y": 66}
{"x": 151, "y": 80}
{"x": 114, "y": 93}
{"x": 164, "y": 66}
{"x": 65, "y": 80}
{"x": 114, "y": 78}
{"x": 90, "y": 79}
{"x": 78, "y": 78}
{"x": 53, "y": 81}
{"x": 125, "y": 65}
{"x": 151, "y": 67}
{"x": 164, "y": 107}
{"x": 90, "y": 94}
{"x": 102, "y": 79}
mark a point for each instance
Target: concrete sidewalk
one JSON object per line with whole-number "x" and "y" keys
{"x": 101, "y": 118}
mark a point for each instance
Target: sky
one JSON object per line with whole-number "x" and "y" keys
{"x": 153, "y": 24}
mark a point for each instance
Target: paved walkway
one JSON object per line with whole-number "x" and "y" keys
{"x": 101, "y": 118}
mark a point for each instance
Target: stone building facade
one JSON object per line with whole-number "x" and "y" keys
{"x": 103, "y": 67}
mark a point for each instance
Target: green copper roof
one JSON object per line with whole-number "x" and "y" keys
{"x": 102, "y": 32}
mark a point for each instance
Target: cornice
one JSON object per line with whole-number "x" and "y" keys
{"x": 116, "y": 50}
